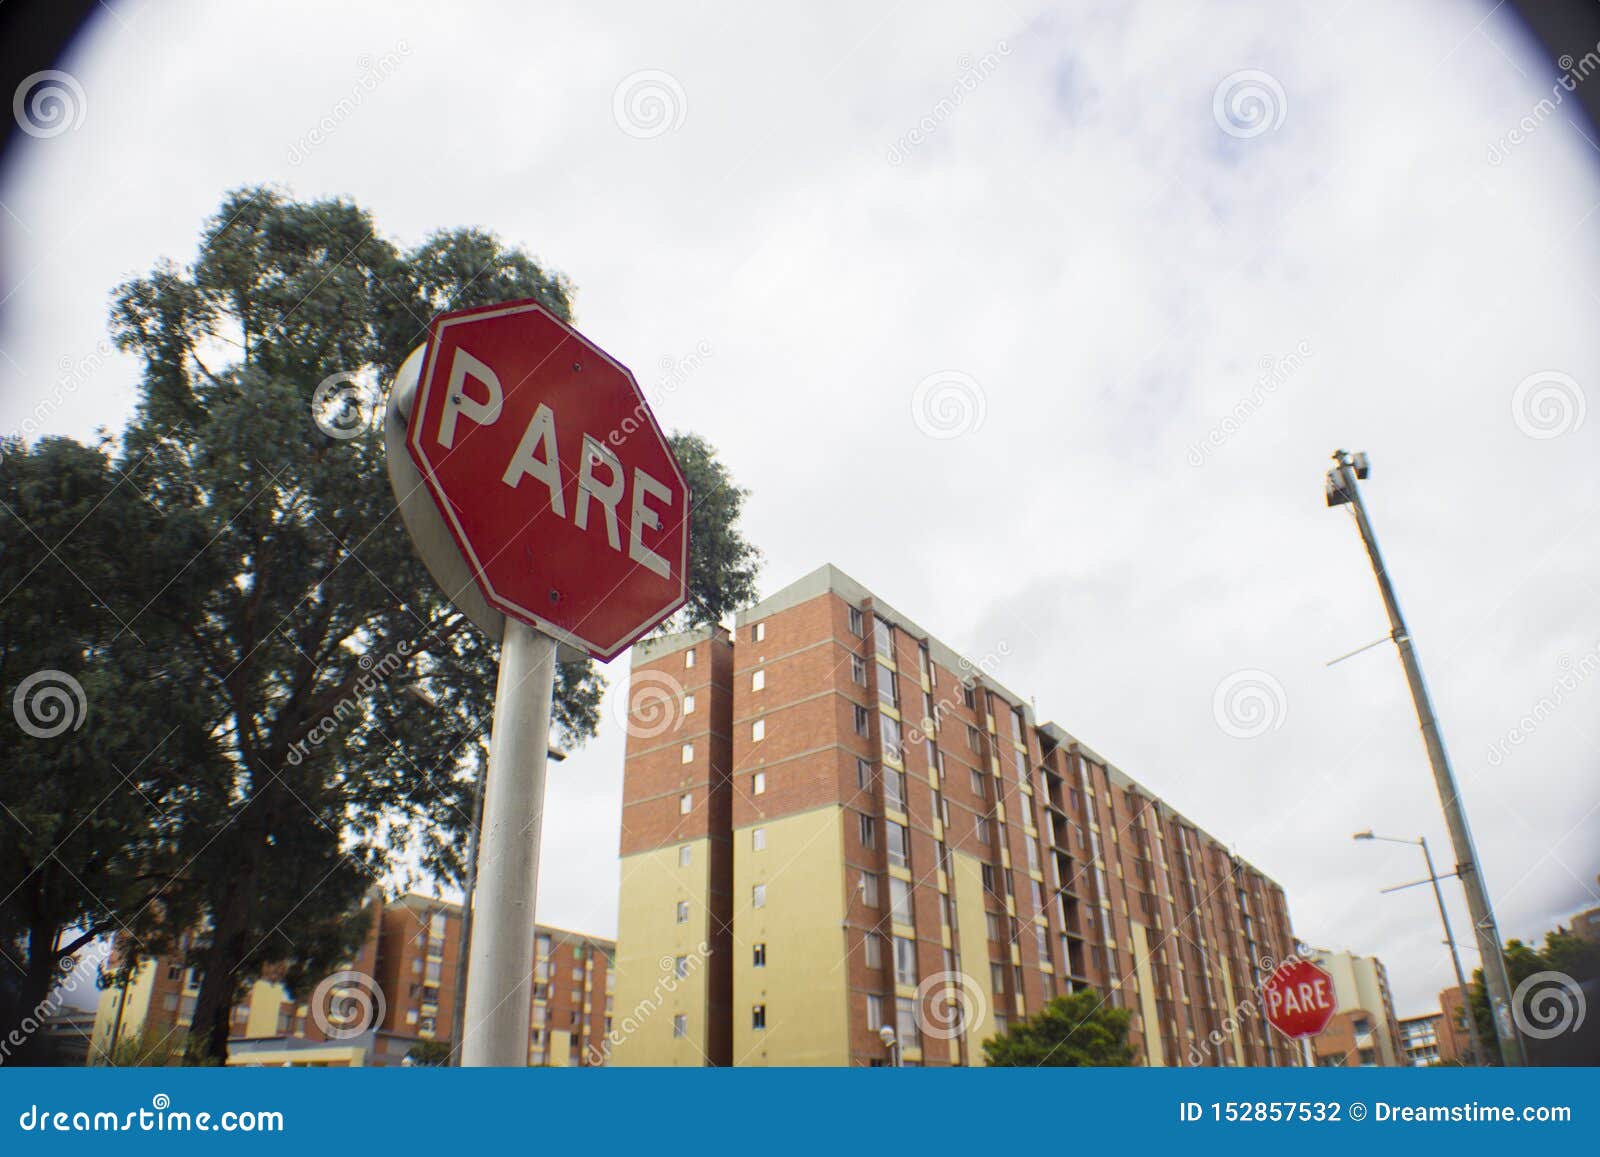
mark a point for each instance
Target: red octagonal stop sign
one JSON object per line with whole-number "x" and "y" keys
{"x": 1300, "y": 999}
{"x": 550, "y": 470}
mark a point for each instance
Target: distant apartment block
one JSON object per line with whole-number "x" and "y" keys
{"x": 1364, "y": 1030}
{"x": 834, "y": 824}
{"x": 1438, "y": 1038}
{"x": 401, "y": 991}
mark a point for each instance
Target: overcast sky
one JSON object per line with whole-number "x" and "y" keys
{"x": 1041, "y": 324}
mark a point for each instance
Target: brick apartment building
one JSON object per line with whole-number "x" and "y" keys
{"x": 1438, "y": 1038}
{"x": 833, "y": 823}
{"x": 408, "y": 968}
{"x": 1364, "y": 1030}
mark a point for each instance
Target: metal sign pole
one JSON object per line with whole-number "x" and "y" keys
{"x": 500, "y": 961}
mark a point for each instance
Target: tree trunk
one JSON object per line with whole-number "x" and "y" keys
{"x": 26, "y": 1017}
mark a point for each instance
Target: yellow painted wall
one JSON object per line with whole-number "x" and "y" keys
{"x": 558, "y": 1049}
{"x": 332, "y": 1054}
{"x": 1154, "y": 1052}
{"x": 648, "y": 995}
{"x": 804, "y": 983}
{"x": 974, "y": 949}
{"x": 265, "y": 1000}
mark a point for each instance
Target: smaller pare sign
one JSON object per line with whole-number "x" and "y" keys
{"x": 1303, "y": 996}
{"x": 1300, "y": 999}
{"x": 547, "y": 464}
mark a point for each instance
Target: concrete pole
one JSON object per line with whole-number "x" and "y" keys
{"x": 1479, "y": 1057}
{"x": 1484, "y": 928}
{"x": 500, "y": 962}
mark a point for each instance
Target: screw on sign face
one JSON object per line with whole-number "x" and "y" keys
{"x": 1299, "y": 998}
{"x": 550, "y": 471}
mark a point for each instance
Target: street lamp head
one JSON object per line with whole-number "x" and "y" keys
{"x": 1366, "y": 835}
{"x": 886, "y": 1035}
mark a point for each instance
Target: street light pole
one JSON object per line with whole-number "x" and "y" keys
{"x": 1479, "y": 1056}
{"x": 1342, "y": 488}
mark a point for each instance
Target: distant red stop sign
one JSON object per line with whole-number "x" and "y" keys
{"x": 548, "y": 467}
{"x": 1300, "y": 999}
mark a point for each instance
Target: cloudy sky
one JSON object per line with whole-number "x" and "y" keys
{"x": 1040, "y": 323}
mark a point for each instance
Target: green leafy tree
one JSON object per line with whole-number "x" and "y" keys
{"x": 429, "y": 1052}
{"x": 106, "y": 745}
{"x": 343, "y": 684}
{"x": 1076, "y": 1031}
{"x": 1562, "y": 952}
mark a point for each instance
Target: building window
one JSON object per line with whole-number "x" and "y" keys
{"x": 988, "y": 879}
{"x": 890, "y": 730}
{"x": 685, "y": 854}
{"x": 869, "y": 889}
{"x": 863, "y": 774}
{"x": 1020, "y": 721}
{"x": 758, "y": 1016}
{"x": 888, "y": 691}
{"x": 680, "y": 1026}
{"x": 857, "y": 621}
{"x": 863, "y": 721}
{"x": 981, "y": 824}
{"x": 894, "y": 789}
{"x": 869, "y": 831}
{"x": 967, "y": 697}
{"x": 992, "y": 923}
{"x": 758, "y": 680}
{"x": 979, "y": 787}
{"x": 872, "y": 950}
{"x": 858, "y": 669}
{"x": 905, "y": 961}
{"x": 686, "y": 803}
{"x": 758, "y": 896}
{"x": 875, "y": 1019}
{"x": 883, "y": 637}
{"x": 758, "y": 783}
{"x": 688, "y": 704}
{"x": 924, "y": 668}
{"x": 758, "y": 839}
{"x": 758, "y": 731}
{"x": 1022, "y": 765}
{"x": 687, "y": 755}
{"x": 688, "y": 657}
{"x": 758, "y": 956}
{"x": 680, "y": 966}
{"x": 906, "y": 1031}
{"x": 972, "y": 738}
{"x": 683, "y": 911}
{"x": 997, "y": 977}
{"x": 899, "y": 841}
{"x": 900, "y": 901}
{"x": 758, "y": 632}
